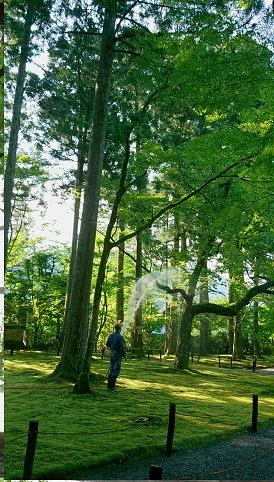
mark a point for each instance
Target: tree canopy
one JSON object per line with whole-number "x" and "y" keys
{"x": 166, "y": 108}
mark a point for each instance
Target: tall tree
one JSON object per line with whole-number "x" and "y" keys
{"x": 75, "y": 338}
{"x": 32, "y": 12}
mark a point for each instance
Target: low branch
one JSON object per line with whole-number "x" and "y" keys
{"x": 174, "y": 291}
{"x": 233, "y": 308}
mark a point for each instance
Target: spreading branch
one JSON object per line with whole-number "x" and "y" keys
{"x": 172, "y": 205}
{"x": 233, "y": 308}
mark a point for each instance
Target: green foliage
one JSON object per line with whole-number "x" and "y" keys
{"x": 31, "y": 175}
{"x": 35, "y": 295}
{"x": 199, "y": 83}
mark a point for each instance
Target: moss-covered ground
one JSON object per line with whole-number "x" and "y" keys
{"x": 78, "y": 432}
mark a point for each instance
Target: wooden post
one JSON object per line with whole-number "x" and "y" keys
{"x": 148, "y": 354}
{"x": 160, "y": 355}
{"x": 155, "y": 473}
{"x": 219, "y": 362}
{"x": 171, "y": 427}
{"x": 30, "y": 452}
{"x": 255, "y": 414}
{"x": 254, "y": 364}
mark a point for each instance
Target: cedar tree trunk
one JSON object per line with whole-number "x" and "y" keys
{"x": 75, "y": 339}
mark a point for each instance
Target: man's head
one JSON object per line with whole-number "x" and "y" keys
{"x": 118, "y": 327}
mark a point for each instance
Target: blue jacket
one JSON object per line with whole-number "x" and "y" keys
{"x": 116, "y": 343}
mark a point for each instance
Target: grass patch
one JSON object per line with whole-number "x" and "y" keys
{"x": 77, "y": 432}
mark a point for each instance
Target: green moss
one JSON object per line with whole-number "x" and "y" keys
{"x": 77, "y": 432}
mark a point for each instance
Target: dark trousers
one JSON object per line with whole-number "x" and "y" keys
{"x": 115, "y": 367}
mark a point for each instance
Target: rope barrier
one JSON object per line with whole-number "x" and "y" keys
{"x": 231, "y": 468}
{"x": 37, "y": 388}
{"x": 213, "y": 416}
{"x": 17, "y": 438}
{"x": 54, "y": 388}
{"x": 86, "y": 433}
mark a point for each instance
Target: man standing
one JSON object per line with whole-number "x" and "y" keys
{"x": 117, "y": 350}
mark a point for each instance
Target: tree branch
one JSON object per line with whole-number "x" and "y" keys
{"x": 170, "y": 206}
{"x": 233, "y": 308}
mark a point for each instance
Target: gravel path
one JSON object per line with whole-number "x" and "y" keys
{"x": 198, "y": 463}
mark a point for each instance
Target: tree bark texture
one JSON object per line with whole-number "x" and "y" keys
{"x": 184, "y": 340}
{"x": 15, "y": 126}
{"x": 75, "y": 339}
{"x": 77, "y": 204}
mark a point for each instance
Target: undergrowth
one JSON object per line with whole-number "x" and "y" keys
{"x": 78, "y": 432}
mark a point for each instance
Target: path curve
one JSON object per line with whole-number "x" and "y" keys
{"x": 197, "y": 463}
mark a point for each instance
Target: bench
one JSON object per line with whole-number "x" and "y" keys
{"x": 230, "y": 357}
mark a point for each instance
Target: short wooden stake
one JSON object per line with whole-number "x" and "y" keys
{"x": 171, "y": 427}
{"x": 155, "y": 473}
{"x": 255, "y": 414}
{"x": 30, "y": 452}
{"x": 160, "y": 355}
{"x": 254, "y": 365}
{"x": 148, "y": 354}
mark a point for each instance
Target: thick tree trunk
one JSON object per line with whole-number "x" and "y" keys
{"x": 184, "y": 341}
{"x": 15, "y": 126}
{"x": 77, "y": 204}
{"x": 75, "y": 340}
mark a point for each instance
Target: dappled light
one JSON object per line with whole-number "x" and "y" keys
{"x": 211, "y": 404}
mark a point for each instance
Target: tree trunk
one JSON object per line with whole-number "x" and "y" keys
{"x": 230, "y": 335}
{"x": 15, "y": 126}
{"x": 184, "y": 341}
{"x": 256, "y": 344}
{"x": 137, "y": 343}
{"x": 174, "y": 316}
{"x": 75, "y": 339}
{"x": 205, "y": 330}
{"x": 77, "y": 204}
{"x": 120, "y": 280}
{"x": 236, "y": 281}
{"x": 238, "y": 353}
